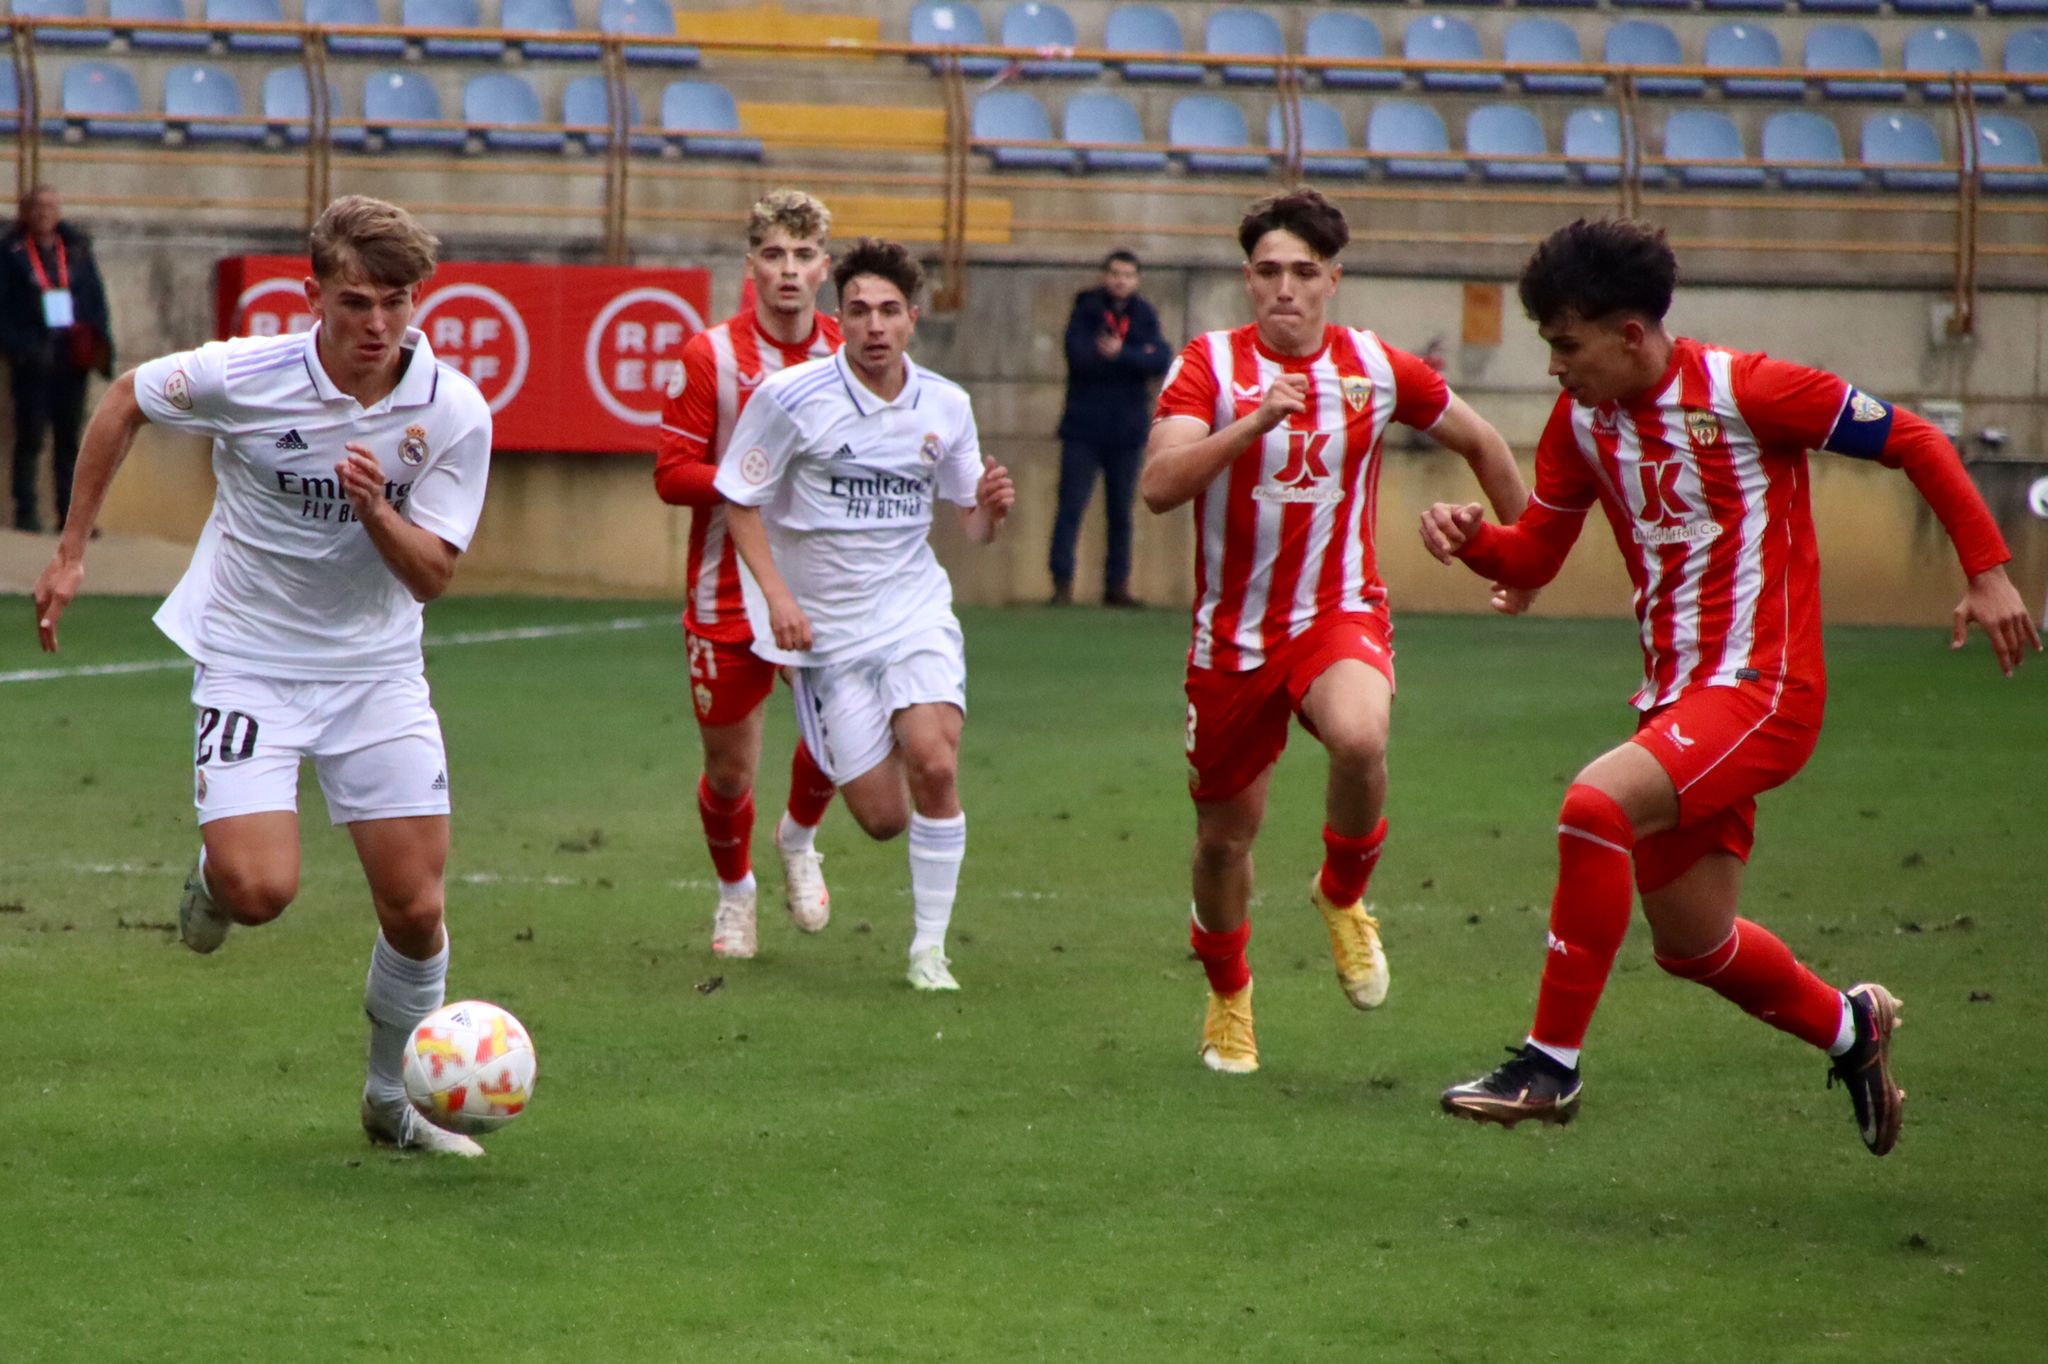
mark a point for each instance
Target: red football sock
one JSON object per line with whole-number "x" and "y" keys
{"x": 810, "y": 790}
{"x": 1588, "y": 915}
{"x": 1758, "y": 973}
{"x": 1348, "y": 863}
{"x": 728, "y": 831}
{"x": 1222, "y": 956}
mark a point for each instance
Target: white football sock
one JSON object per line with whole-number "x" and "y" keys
{"x": 743, "y": 886}
{"x": 1568, "y": 1057}
{"x": 936, "y": 849}
{"x": 791, "y": 836}
{"x": 397, "y": 995}
{"x": 1845, "y": 1036}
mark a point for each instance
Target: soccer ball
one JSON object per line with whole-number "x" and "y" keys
{"x": 469, "y": 1067}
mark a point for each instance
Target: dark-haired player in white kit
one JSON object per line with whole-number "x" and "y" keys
{"x": 350, "y": 469}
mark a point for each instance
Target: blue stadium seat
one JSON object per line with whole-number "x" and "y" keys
{"x": 645, "y": 19}
{"x": 1342, "y": 34}
{"x": 156, "y": 11}
{"x": 1846, "y": 47}
{"x": 1447, "y": 38}
{"x": 2026, "y": 56}
{"x": 1558, "y": 4}
{"x": 197, "y": 90}
{"x": 224, "y": 15}
{"x": 1325, "y": 147}
{"x": 1941, "y": 48}
{"x": 1101, "y": 117}
{"x": 10, "y": 100}
{"x": 1841, "y": 6}
{"x": 1760, "y": 6}
{"x": 942, "y": 23}
{"x": 1905, "y": 152}
{"x": 353, "y": 12}
{"x": 1510, "y": 130}
{"x": 1148, "y": 28}
{"x": 1043, "y": 25}
{"x": 392, "y": 97}
{"x": 2005, "y": 9}
{"x": 1410, "y": 143}
{"x": 450, "y": 14}
{"x": 1005, "y": 116}
{"x": 1208, "y": 135}
{"x": 101, "y": 97}
{"x": 1795, "y": 135}
{"x": 1592, "y": 143}
{"x": 587, "y": 106}
{"x": 1696, "y": 135}
{"x": 2009, "y": 156}
{"x": 1653, "y": 4}
{"x": 1554, "y": 42}
{"x": 289, "y": 113}
{"x": 505, "y": 111}
{"x": 1645, "y": 42}
{"x": 1935, "y": 6}
{"x": 700, "y": 118}
{"x": 1244, "y": 33}
{"x": 1750, "y": 45}
{"x": 546, "y": 16}
{"x": 62, "y": 37}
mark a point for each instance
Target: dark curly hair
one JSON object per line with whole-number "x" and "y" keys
{"x": 884, "y": 260}
{"x": 1598, "y": 268}
{"x": 1305, "y": 213}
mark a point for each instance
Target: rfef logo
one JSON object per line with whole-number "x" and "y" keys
{"x": 272, "y": 307}
{"x": 477, "y": 330}
{"x": 634, "y": 351}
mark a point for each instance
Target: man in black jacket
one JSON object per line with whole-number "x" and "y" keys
{"x": 54, "y": 331}
{"x": 1114, "y": 351}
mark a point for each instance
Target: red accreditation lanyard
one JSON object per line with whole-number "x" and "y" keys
{"x": 35, "y": 263}
{"x": 1120, "y": 323}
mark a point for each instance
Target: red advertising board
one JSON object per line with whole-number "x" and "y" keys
{"x": 570, "y": 357}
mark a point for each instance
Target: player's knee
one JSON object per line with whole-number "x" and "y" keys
{"x": 933, "y": 775}
{"x": 252, "y": 895}
{"x": 882, "y": 825}
{"x": 729, "y": 779}
{"x": 1589, "y": 808}
{"x": 412, "y": 922}
{"x": 1218, "y": 849}
{"x": 1359, "y": 745}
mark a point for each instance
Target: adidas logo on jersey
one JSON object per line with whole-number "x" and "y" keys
{"x": 291, "y": 440}
{"x": 440, "y": 782}
{"x": 843, "y": 452}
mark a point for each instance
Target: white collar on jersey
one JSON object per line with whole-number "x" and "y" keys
{"x": 415, "y": 387}
{"x": 865, "y": 400}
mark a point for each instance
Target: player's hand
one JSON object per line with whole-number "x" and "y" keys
{"x": 1512, "y": 601}
{"x": 362, "y": 480}
{"x": 995, "y": 494}
{"x": 1288, "y": 397}
{"x": 1994, "y": 604}
{"x": 56, "y": 586}
{"x": 787, "y": 621}
{"x": 1446, "y": 528}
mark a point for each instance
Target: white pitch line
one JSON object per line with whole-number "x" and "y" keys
{"x": 157, "y": 665}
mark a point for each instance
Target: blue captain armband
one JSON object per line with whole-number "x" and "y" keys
{"x": 1863, "y": 427}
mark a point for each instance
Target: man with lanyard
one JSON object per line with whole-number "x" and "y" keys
{"x": 53, "y": 330}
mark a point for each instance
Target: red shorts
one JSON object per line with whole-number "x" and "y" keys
{"x": 1721, "y": 746}
{"x": 1237, "y": 721}
{"x": 727, "y": 681}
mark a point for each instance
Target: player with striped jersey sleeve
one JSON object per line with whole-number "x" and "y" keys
{"x": 1696, "y": 455}
{"x": 1274, "y": 431}
{"x": 722, "y": 368}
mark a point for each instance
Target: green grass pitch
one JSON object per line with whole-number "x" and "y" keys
{"x": 797, "y": 1158}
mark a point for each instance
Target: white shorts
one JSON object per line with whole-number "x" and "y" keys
{"x": 843, "y": 709}
{"x": 376, "y": 746}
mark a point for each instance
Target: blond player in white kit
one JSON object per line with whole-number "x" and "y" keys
{"x": 350, "y": 471}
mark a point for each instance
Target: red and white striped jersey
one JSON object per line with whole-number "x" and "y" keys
{"x": 721, "y": 368}
{"x": 1285, "y": 534}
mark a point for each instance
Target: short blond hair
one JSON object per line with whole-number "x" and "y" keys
{"x": 381, "y": 242}
{"x": 795, "y": 212}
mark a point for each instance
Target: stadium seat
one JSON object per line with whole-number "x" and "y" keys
{"x": 1846, "y": 47}
{"x": 1592, "y": 144}
{"x": 1905, "y": 153}
{"x": 450, "y": 14}
{"x": 939, "y": 23}
{"x": 123, "y": 12}
{"x": 1244, "y": 33}
{"x": 645, "y": 19}
{"x": 586, "y": 108}
{"x": 546, "y": 16}
{"x": 1935, "y": 6}
{"x": 10, "y": 100}
{"x": 1447, "y": 38}
{"x": 1041, "y": 27}
{"x": 2026, "y": 56}
{"x": 392, "y": 97}
{"x": 503, "y": 109}
{"x": 1697, "y": 135}
{"x": 1147, "y": 28}
{"x": 1645, "y": 42}
{"x": 1554, "y": 42}
{"x": 1342, "y": 35}
{"x": 2009, "y": 156}
{"x": 1208, "y": 135}
{"x": 1325, "y": 147}
{"x": 353, "y": 12}
{"x": 1558, "y": 4}
{"x": 1109, "y": 121}
{"x": 224, "y": 15}
{"x": 1007, "y": 116}
{"x": 1510, "y": 130}
{"x": 102, "y": 99}
{"x": 1410, "y": 143}
{"x": 1653, "y": 4}
{"x": 1948, "y": 49}
{"x": 1796, "y": 135}
{"x": 1841, "y": 6}
{"x": 288, "y": 112}
{"x": 2005, "y": 9}
{"x": 700, "y": 118}
{"x": 62, "y": 37}
{"x": 1760, "y": 6}
{"x": 1740, "y": 45}
{"x": 197, "y": 90}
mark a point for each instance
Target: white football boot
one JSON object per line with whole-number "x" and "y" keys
{"x": 201, "y": 923}
{"x": 732, "y": 926}
{"x": 403, "y": 1129}
{"x": 803, "y": 881}
{"x": 928, "y": 971}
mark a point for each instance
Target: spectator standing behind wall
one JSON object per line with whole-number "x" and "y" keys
{"x": 1114, "y": 351}
{"x": 54, "y": 331}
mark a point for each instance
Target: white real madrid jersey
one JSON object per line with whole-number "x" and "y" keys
{"x": 285, "y": 582}
{"x": 846, "y": 485}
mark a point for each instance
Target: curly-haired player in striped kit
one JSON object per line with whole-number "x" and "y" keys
{"x": 1697, "y": 456}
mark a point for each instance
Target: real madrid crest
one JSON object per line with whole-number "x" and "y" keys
{"x": 1357, "y": 388}
{"x": 413, "y": 449}
{"x": 929, "y": 451}
{"x": 1703, "y": 426}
